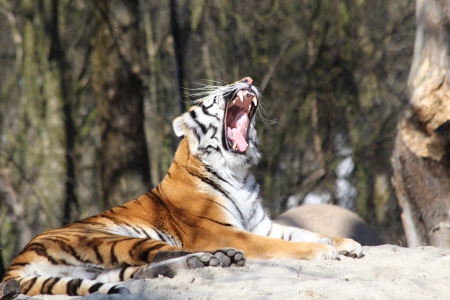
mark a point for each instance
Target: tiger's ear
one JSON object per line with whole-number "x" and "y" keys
{"x": 178, "y": 126}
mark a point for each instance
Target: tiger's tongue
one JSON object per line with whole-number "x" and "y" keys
{"x": 237, "y": 134}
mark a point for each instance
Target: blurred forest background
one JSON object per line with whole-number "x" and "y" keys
{"x": 89, "y": 89}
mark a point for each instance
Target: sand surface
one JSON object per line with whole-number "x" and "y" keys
{"x": 385, "y": 272}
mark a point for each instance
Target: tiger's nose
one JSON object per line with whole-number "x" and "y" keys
{"x": 248, "y": 80}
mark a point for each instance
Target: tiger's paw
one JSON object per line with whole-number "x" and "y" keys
{"x": 321, "y": 252}
{"x": 348, "y": 247}
{"x": 169, "y": 268}
{"x": 200, "y": 260}
{"x": 230, "y": 257}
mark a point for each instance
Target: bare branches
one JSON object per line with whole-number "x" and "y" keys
{"x": 277, "y": 59}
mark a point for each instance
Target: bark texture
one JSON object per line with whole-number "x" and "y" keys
{"x": 421, "y": 157}
{"x": 117, "y": 50}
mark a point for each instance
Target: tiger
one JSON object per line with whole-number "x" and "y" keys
{"x": 207, "y": 211}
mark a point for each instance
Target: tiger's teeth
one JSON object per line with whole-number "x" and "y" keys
{"x": 255, "y": 101}
{"x": 234, "y": 101}
{"x": 249, "y": 106}
{"x": 235, "y": 146}
{"x": 241, "y": 96}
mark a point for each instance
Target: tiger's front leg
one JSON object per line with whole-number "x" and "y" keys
{"x": 169, "y": 265}
{"x": 344, "y": 246}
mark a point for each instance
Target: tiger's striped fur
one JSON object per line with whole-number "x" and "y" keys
{"x": 208, "y": 200}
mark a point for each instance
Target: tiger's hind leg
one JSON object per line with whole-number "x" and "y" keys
{"x": 9, "y": 289}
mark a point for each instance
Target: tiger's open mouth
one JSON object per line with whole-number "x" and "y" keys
{"x": 238, "y": 115}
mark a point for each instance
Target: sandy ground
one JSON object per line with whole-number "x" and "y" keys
{"x": 385, "y": 272}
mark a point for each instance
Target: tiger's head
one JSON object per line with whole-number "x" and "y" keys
{"x": 220, "y": 128}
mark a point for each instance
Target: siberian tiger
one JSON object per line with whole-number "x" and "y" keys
{"x": 207, "y": 206}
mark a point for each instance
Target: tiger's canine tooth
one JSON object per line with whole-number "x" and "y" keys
{"x": 255, "y": 101}
{"x": 234, "y": 101}
{"x": 235, "y": 145}
{"x": 240, "y": 96}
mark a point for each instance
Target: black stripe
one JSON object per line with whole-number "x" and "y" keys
{"x": 194, "y": 117}
{"x": 122, "y": 272}
{"x": 169, "y": 214}
{"x": 28, "y": 285}
{"x": 197, "y": 136}
{"x": 40, "y": 250}
{"x": 144, "y": 254}
{"x": 52, "y": 235}
{"x": 215, "y": 221}
{"x": 215, "y": 174}
{"x": 141, "y": 241}
{"x": 75, "y": 254}
{"x": 137, "y": 201}
{"x": 105, "y": 216}
{"x": 290, "y": 236}
{"x": 214, "y": 128}
{"x": 202, "y": 126}
{"x": 68, "y": 248}
{"x": 95, "y": 287}
{"x": 18, "y": 264}
{"x": 218, "y": 188}
{"x": 98, "y": 255}
{"x": 52, "y": 284}
{"x": 94, "y": 269}
{"x": 44, "y": 289}
{"x": 56, "y": 240}
{"x": 259, "y": 222}
{"x": 245, "y": 179}
{"x": 206, "y": 112}
{"x": 131, "y": 226}
{"x": 145, "y": 232}
{"x": 254, "y": 207}
{"x": 214, "y": 102}
{"x": 208, "y": 181}
{"x": 86, "y": 221}
{"x": 207, "y": 149}
{"x": 112, "y": 254}
{"x": 72, "y": 286}
{"x": 160, "y": 236}
{"x": 63, "y": 262}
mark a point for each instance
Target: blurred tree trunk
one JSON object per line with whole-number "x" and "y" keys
{"x": 178, "y": 50}
{"x": 152, "y": 117}
{"x": 57, "y": 53}
{"x": 119, "y": 93}
{"x": 15, "y": 208}
{"x": 2, "y": 266}
{"x": 421, "y": 157}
